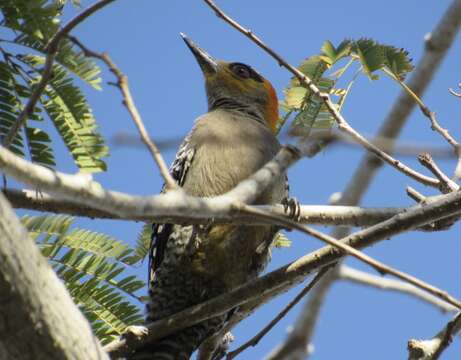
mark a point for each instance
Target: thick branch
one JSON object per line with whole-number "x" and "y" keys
{"x": 284, "y": 278}
{"x": 377, "y": 265}
{"x": 310, "y": 214}
{"x": 38, "y": 319}
{"x": 84, "y": 191}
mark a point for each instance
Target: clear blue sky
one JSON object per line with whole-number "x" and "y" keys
{"x": 142, "y": 37}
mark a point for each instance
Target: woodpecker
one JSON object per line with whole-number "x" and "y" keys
{"x": 190, "y": 264}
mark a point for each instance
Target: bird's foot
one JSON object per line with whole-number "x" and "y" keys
{"x": 292, "y": 208}
{"x": 136, "y": 332}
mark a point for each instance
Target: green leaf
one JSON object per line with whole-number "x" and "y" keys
{"x": 294, "y": 97}
{"x": 314, "y": 110}
{"x": 142, "y": 245}
{"x": 38, "y": 143}
{"x": 93, "y": 267}
{"x": 34, "y": 17}
{"x": 374, "y": 56}
{"x": 309, "y": 107}
{"x": 69, "y": 57}
{"x": 334, "y": 55}
{"x": 10, "y": 107}
{"x": 371, "y": 56}
{"x": 314, "y": 67}
{"x": 72, "y": 117}
{"x": 397, "y": 62}
{"x": 105, "y": 308}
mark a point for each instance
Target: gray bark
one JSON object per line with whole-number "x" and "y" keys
{"x": 38, "y": 319}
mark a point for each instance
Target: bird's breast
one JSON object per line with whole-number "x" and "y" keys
{"x": 229, "y": 148}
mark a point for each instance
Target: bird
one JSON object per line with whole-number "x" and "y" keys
{"x": 189, "y": 264}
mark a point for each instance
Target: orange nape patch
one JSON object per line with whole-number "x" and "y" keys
{"x": 272, "y": 109}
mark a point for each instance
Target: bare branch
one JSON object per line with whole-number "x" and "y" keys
{"x": 310, "y": 214}
{"x": 437, "y": 44}
{"x": 83, "y": 190}
{"x": 122, "y": 84}
{"x": 296, "y": 346}
{"x": 454, "y": 93}
{"x": 363, "y": 278}
{"x": 443, "y": 132}
{"x": 52, "y": 49}
{"x": 377, "y": 265}
{"x": 446, "y": 135}
{"x": 333, "y": 138}
{"x": 35, "y": 307}
{"x": 446, "y": 184}
{"x": 343, "y": 125}
{"x": 257, "y": 338}
{"x": 284, "y": 278}
{"x": 415, "y": 194}
{"x": 433, "y": 348}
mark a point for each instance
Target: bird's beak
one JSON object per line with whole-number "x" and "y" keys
{"x": 208, "y": 65}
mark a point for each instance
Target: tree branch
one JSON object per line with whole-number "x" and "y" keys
{"x": 343, "y": 125}
{"x": 363, "y": 278}
{"x": 257, "y": 338}
{"x": 377, "y": 265}
{"x": 284, "y": 278}
{"x": 437, "y": 44}
{"x": 446, "y": 184}
{"x": 433, "y": 348}
{"x": 82, "y": 190}
{"x": 310, "y": 214}
{"x": 34, "y": 305}
{"x": 296, "y": 346}
{"x": 122, "y": 84}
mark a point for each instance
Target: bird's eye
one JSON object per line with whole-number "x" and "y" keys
{"x": 242, "y": 71}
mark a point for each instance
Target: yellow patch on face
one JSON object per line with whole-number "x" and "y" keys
{"x": 225, "y": 77}
{"x": 228, "y": 77}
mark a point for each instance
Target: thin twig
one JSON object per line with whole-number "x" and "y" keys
{"x": 122, "y": 84}
{"x": 446, "y": 135}
{"x": 51, "y": 50}
{"x": 377, "y": 265}
{"x": 343, "y": 125}
{"x": 446, "y": 184}
{"x": 437, "y": 43}
{"x": 333, "y": 138}
{"x": 415, "y": 194}
{"x": 257, "y": 338}
{"x": 453, "y": 92}
{"x": 364, "y": 278}
{"x": 296, "y": 346}
{"x": 432, "y": 349}
{"x": 443, "y": 132}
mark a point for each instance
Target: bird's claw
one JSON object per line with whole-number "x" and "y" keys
{"x": 135, "y": 332}
{"x": 292, "y": 208}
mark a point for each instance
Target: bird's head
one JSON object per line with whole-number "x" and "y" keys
{"x": 236, "y": 86}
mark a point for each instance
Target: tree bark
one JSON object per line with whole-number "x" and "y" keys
{"x": 38, "y": 319}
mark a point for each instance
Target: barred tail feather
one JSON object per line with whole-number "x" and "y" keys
{"x": 181, "y": 345}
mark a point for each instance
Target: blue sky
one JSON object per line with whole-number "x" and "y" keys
{"x": 142, "y": 37}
